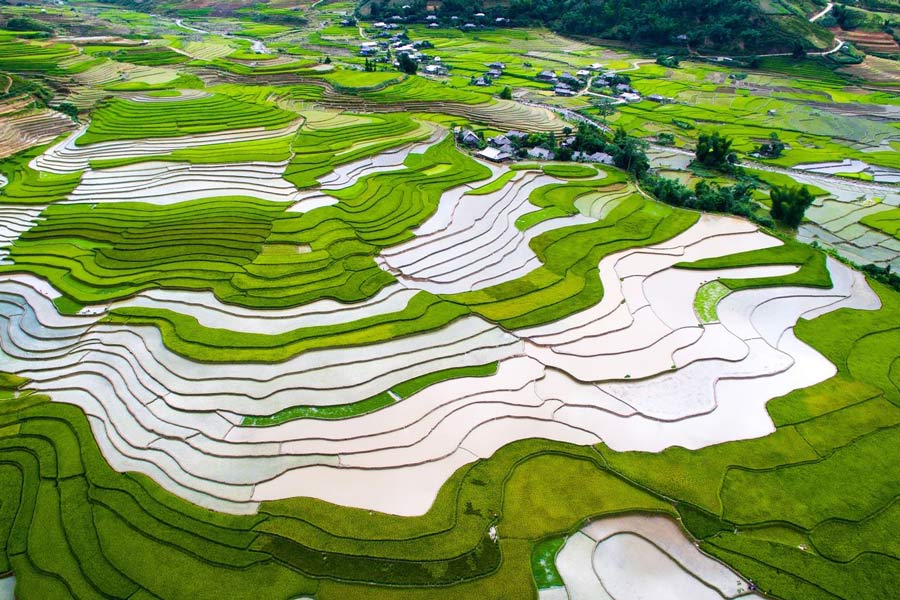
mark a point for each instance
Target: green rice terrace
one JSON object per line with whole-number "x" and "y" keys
{"x": 502, "y": 300}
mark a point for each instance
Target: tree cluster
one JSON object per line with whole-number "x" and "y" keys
{"x": 671, "y": 62}
{"x": 407, "y": 65}
{"x": 737, "y": 25}
{"x": 714, "y": 151}
{"x": 27, "y": 24}
{"x": 628, "y": 152}
{"x": 846, "y": 18}
{"x": 882, "y": 274}
{"x": 709, "y": 197}
{"x": 789, "y": 204}
{"x": 771, "y": 149}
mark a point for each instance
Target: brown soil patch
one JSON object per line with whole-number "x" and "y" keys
{"x": 869, "y": 40}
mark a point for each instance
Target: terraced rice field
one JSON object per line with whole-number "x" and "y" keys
{"x": 185, "y": 325}
{"x": 278, "y": 339}
{"x": 22, "y": 127}
{"x": 116, "y": 118}
{"x": 853, "y": 218}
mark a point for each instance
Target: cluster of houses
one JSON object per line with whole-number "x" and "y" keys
{"x": 478, "y": 21}
{"x": 387, "y": 26}
{"x": 514, "y": 144}
{"x": 381, "y": 51}
{"x": 620, "y": 89}
{"x": 565, "y": 84}
{"x": 495, "y": 71}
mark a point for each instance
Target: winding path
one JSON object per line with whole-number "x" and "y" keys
{"x": 821, "y": 13}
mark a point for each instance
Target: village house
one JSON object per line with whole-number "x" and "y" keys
{"x": 494, "y": 155}
{"x": 499, "y": 140}
{"x": 597, "y": 157}
{"x": 570, "y": 80}
{"x": 469, "y": 138}
{"x": 539, "y": 153}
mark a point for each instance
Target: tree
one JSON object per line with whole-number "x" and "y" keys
{"x": 407, "y": 65}
{"x": 628, "y": 153}
{"x": 604, "y": 107}
{"x": 789, "y": 204}
{"x": 773, "y": 148}
{"x": 714, "y": 151}
{"x": 506, "y": 93}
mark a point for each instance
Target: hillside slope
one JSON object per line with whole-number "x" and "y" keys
{"x": 741, "y": 26}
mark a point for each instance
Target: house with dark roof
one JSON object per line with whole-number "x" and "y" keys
{"x": 469, "y": 138}
{"x": 499, "y": 140}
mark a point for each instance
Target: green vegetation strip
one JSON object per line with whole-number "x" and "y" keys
{"x": 887, "y": 221}
{"x": 493, "y": 186}
{"x": 567, "y": 171}
{"x": 813, "y": 271}
{"x": 707, "y": 299}
{"x": 543, "y": 562}
{"x": 269, "y": 150}
{"x": 384, "y": 399}
{"x": 185, "y": 336}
